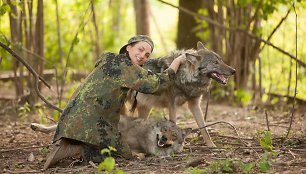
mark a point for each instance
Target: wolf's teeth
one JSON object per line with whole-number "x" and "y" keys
{"x": 160, "y": 144}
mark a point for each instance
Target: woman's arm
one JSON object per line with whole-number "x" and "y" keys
{"x": 145, "y": 81}
{"x": 177, "y": 62}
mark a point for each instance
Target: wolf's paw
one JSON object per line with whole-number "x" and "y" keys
{"x": 34, "y": 126}
{"x": 139, "y": 156}
{"x": 41, "y": 128}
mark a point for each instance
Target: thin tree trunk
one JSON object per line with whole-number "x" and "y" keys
{"x": 60, "y": 51}
{"x": 97, "y": 36}
{"x": 186, "y": 35}
{"x": 30, "y": 46}
{"x": 59, "y": 37}
{"x": 16, "y": 37}
{"x": 39, "y": 42}
{"x": 142, "y": 16}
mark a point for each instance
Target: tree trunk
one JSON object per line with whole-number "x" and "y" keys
{"x": 16, "y": 37}
{"x": 186, "y": 34}
{"x": 142, "y": 16}
{"x": 39, "y": 45}
{"x": 29, "y": 44}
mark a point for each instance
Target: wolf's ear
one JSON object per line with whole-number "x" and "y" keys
{"x": 200, "y": 46}
{"x": 192, "y": 58}
{"x": 186, "y": 132}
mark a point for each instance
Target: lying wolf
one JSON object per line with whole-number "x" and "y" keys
{"x": 161, "y": 138}
{"x": 191, "y": 81}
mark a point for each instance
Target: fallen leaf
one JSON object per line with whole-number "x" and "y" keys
{"x": 31, "y": 157}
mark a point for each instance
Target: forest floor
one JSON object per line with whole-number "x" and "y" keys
{"x": 24, "y": 151}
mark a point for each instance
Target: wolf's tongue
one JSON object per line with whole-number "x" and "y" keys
{"x": 221, "y": 77}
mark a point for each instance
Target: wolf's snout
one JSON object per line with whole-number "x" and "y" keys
{"x": 164, "y": 139}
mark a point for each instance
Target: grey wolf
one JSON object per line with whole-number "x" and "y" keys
{"x": 191, "y": 81}
{"x": 154, "y": 137}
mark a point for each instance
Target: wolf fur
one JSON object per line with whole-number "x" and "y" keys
{"x": 153, "y": 137}
{"x": 191, "y": 81}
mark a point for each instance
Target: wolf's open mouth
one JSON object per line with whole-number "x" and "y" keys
{"x": 219, "y": 78}
{"x": 161, "y": 143}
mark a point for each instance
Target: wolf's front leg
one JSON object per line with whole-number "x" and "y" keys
{"x": 172, "y": 111}
{"x": 194, "y": 106}
{"x": 143, "y": 111}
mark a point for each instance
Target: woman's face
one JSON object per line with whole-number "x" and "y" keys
{"x": 139, "y": 52}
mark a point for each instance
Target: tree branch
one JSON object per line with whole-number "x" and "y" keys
{"x": 36, "y": 76}
{"x": 275, "y": 29}
{"x": 209, "y": 20}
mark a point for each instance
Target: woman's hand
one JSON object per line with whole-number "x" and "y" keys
{"x": 177, "y": 62}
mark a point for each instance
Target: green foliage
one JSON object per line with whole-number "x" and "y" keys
{"x": 4, "y": 8}
{"x": 242, "y": 96}
{"x": 45, "y": 150}
{"x": 233, "y": 166}
{"x": 265, "y": 140}
{"x": 194, "y": 170}
{"x": 24, "y": 110}
{"x": 246, "y": 167}
{"x": 264, "y": 164}
{"x": 108, "y": 165}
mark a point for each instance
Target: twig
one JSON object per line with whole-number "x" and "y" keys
{"x": 276, "y": 125}
{"x": 291, "y": 154}
{"x": 158, "y": 31}
{"x": 275, "y": 29}
{"x": 234, "y": 130}
{"x": 93, "y": 164}
{"x": 267, "y": 121}
{"x": 23, "y": 148}
{"x": 226, "y": 136}
{"x": 73, "y": 170}
{"x": 296, "y": 75}
{"x": 195, "y": 162}
{"x": 36, "y": 76}
{"x": 21, "y": 171}
{"x": 242, "y": 147}
{"x": 75, "y": 161}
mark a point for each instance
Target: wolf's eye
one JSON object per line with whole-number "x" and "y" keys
{"x": 163, "y": 129}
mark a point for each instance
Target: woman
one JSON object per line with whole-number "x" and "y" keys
{"x": 89, "y": 121}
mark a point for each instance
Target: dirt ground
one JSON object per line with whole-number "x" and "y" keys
{"x": 24, "y": 151}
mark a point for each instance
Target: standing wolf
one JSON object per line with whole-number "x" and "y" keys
{"x": 191, "y": 81}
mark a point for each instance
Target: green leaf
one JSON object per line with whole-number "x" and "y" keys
{"x": 264, "y": 166}
{"x": 112, "y": 149}
{"x": 119, "y": 171}
{"x": 265, "y": 140}
{"x": 105, "y": 150}
{"x": 227, "y": 166}
{"x": 247, "y": 168}
{"x": 108, "y": 164}
{"x": 4, "y": 8}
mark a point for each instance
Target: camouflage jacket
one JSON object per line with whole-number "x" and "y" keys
{"x": 92, "y": 114}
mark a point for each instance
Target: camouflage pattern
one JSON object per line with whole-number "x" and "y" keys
{"x": 92, "y": 114}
